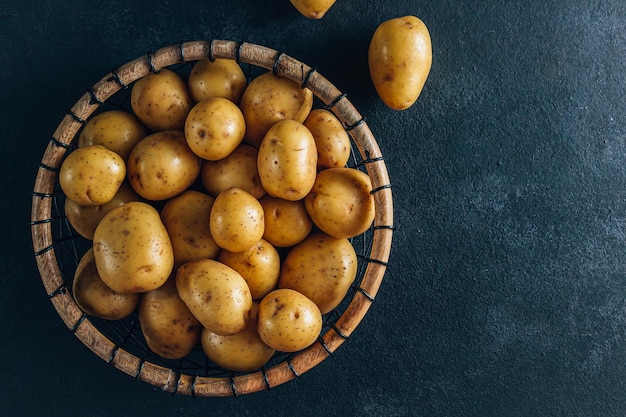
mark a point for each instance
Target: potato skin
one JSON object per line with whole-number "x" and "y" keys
{"x": 286, "y": 222}
{"x": 313, "y": 9}
{"x": 217, "y": 78}
{"x": 116, "y": 130}
{"x": 331, "y": 139}
{"x": 400, "y": 59}
{"x": 239, "y": 169}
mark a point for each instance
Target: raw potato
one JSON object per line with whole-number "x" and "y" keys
{"x": 214, "y": 128}
{"x": 259, "y": 266}
{"x": 161, "y": 100}
{"x": 116, "y": 130}
{"x": 322, "y": 268}
{"x": 269, "y": 99}
{"x": 313, "y": 9}
{"x": 237, "y": 221}
{"x": 216, "y": 295}
{"x": 91, "y": 176}
{"x": 132, "y": 249}
{"x": 288, "y": 321}
{"x": 400, "y": 58}
{"x": 341, "y": 203}
{"x": 286, "y": 222}
{"x": 239, "y": 169}
{"x": 186, "y": 218}
{"x": 217, "y": 78}
{"x": 170, "y": 330}
{"x": 162, "y": 166}
{"x": 287, "y": 160}
{"x": 94, "y": 297}
{"x": 331, "y": 139}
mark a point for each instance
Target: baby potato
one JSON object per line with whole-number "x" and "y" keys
{"x": 162, "y": 166}
{"x": 132, "y": 249}
{"x": 268, "y": 99}
{"x": 236, "y": 222}
{"x": 288, "y": 321}
{"x": 216, "y": 295}
{"x": 214, "y": 128}
{"x": 161, "y": 100}
{"x": 313, "y": 9}
{"x": 186, "y": 218}
{"x": 259, "y": 266}
{"x": 287, "y": 160}
{"x": 94, "y": 297}
{"x": 331, "y": 139}
{"x": 240, "y": 352}
{"x": 399, "y": 59}
{"x": 170, "y": 330}
{"x": 217, "y": 78}
{"x": 340, "y": 203}
{"x": 116, "y": 130}
{"x": 322, "y": 268}
{"x": 84, "y": 219}
{"x": 91, "y": 176}
{"x": 286, "y": 222}
{"x": 239, "y": 169}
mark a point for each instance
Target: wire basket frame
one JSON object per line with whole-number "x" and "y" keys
{"x": 58, "y": 248}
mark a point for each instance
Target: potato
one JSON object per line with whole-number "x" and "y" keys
{"x": 240, "y": 352}
{"x": 331, "y": 139}
{"x": 287, "y": 160}
{"x": 313, "y": 9}
{"x": 116, "y": 130}
{"x": 84, "y": 219}
{"x": 94, "y": 297}
{"x": 322, "y": 268}
{"x": 237, "y": 221}
{"x": 216, "y": 295}
{"x": 286, "y": 222}
{"x": 340, "y": 203}
{"x": 214, "y": 128}
{"x": 259, "y": 266}
{"x": 161, "y": 100}
{"x": 132, "y": 249}
{"x": 399, "y": 59}
{"x": 269, "y": 99}
{"x": 217, "y": 78}
{"x": 288, "y": 321}
{"x": 239, "y": 169}
{"x": 91, "y": 176}
{"x": 162, "y": 166}
{"x": 170, "y": 330}
{"x": 186, "y": 218}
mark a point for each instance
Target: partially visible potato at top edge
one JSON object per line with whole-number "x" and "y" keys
{"x": 313, "y": 9}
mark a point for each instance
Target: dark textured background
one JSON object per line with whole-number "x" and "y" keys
{"x": 506, "y": 294}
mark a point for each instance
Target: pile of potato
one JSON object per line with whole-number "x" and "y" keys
{"x": 219, "y": 210}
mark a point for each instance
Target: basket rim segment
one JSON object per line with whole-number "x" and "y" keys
{"x": 121, "y": 78}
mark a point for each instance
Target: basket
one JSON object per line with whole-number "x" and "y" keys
{"x": 58, "y": 248}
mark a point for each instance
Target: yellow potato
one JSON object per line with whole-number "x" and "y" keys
{"x": 162, "y": 166}
{"x": 322, "y": 268}
{"x": 161, "y": 100}
{"x": 331, "y": 139}
{"x": 259, "y": 266}
{"x": 313, "y": 9}
{"x": 217, "y": 78}
{"x": 236, "y": 220}
{"x": 132, "y": 249}
{"x": 116, "y": 130}
{"x": 216, "y": 295}
{"x": 186, "y": 218}
{"x": 170, "y": 330}
{"x": 287, "y": 160}
{"x": 91, "y": 176}
{"x": 214, "y": 128}
{"x": 288, "y": 321}
{"x": 400, "y": 58}
{"x": 286, "y": 222}
{"x": 340, "y": 203}
{"x": 239, "y": 169}
{"x": 94, "y": 297}
{"x": 84, "y": 219}
{"x": 269, "y": 99}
